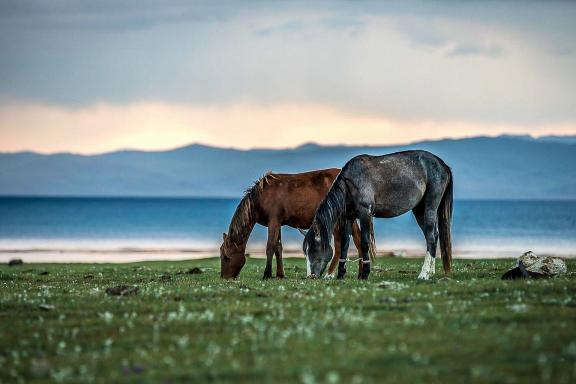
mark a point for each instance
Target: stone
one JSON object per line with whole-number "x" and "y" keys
{"x": 545, "y": 265}
{"x": 122, "y": 290}
{"x": 15, "y": 262}
{"x": 530, "y": 265}
{"x": 166, "y": 277}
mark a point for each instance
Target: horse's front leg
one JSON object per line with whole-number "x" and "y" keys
{"x": 273, "y": 232}
{"x": 356, "y": 237}
{"x": 365, "y": 229}
{"x": 278, "y": 252}
{"x": 337, "y": 251}
{"x": 345, "y": 231}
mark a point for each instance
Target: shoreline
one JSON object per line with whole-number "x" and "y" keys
{"x": 132, "y": 255}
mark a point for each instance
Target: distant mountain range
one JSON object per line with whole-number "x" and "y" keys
{"x": 505, "y": 167}
{"x": 566, "y": 139}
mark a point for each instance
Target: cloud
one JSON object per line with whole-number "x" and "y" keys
{"x": 452, "y": 39}
{"x": 347, "y": 22}
{"x": 468, "y": 49}
{"x": 483, "y": 62}
{"x": 110, "y": 15}
{"x": 285, "y": 27}
{"x": 314, "y": 24}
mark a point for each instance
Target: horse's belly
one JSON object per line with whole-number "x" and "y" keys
{"x": 389, "y": 212}
{"x": 397, "y": 202}
{"x": 298, "y": 216}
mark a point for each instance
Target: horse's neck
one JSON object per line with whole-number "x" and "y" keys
{"x": 240, "y": 237}
{"x": 242, "y": 224}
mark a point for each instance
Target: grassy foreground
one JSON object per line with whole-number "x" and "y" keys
{"x": 58, "y": 324}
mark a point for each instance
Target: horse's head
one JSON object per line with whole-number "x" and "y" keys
{"x": 232, "y": 258}
{"x": 317, "y": 251}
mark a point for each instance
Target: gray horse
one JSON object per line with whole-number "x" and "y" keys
{"x": 384, "y": 186}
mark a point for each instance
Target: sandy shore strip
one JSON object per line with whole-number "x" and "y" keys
{"x": 130, "y": 255}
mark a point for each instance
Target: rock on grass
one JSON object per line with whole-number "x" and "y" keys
{"x": 46, "y": 307}
{"x": 122, "y": 290}
{"x": 191, "y": 271}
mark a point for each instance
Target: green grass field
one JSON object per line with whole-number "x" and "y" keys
{"x": 57, "y": 324}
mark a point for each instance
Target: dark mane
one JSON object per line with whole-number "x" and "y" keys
{"x": 245, "y": 216}
{"x": 329, "y": 214}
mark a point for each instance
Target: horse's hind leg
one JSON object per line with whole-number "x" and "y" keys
{"x": 365, "y": 229}
{"x": 426, "y": 214}
{"x": 278, "y": 253}
{"x": 273, "y": 233}
{"x": 357, "y": 237}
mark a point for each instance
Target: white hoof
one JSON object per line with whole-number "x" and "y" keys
{"x": 330, "y": 276}
{"x": 425, "y": 275}
{"x": 428, "y": 268}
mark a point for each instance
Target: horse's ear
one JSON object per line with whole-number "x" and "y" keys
{"x": 303, "y": 232}
{"x": 224, "y": 236}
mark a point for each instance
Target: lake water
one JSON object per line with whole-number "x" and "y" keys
{"x": 50, "y": 226}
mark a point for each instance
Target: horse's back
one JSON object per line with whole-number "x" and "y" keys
{"x": 419, "y": 162}
{"x": 293, "y": 198}
{"x": 412, "y": 155}
{"x": 291, "y": 184}
{"x": 393, "y": 183}
{"x": 314, "y": 179}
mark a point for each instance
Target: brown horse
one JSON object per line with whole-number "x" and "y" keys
{"x": 273, "y": 201}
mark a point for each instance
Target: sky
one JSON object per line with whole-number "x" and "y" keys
{"x": 89, "y": 77}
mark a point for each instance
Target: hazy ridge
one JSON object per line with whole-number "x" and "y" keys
{"x": 506, "y": 167}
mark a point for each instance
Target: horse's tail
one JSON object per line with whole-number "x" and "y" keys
{"x": 372, "y": 244}
{"x": 356, "y": 236}
{"x": 445, "y": 223}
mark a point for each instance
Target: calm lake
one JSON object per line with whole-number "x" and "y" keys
{"x": 158, "y": 224}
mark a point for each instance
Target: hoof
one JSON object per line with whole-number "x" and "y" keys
{"x": 428, "y": 268}
{"x": 329, "y": 276}
{"x": 312, "y": 277}
{"x": 279, "y": 276}
{"x": 425, "y": 276}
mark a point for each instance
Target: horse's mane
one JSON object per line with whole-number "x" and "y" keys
{"x": 245, "y": 216}
{"x": 329, "y": 214}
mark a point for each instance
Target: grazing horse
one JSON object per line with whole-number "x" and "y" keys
{"x": 384, "y": 186}
{"x": 273, "y": 201}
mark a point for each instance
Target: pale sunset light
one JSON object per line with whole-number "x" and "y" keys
{"x": 159, "y": 126}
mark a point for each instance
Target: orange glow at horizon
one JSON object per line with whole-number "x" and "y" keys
{"x": 159, "y": 126}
